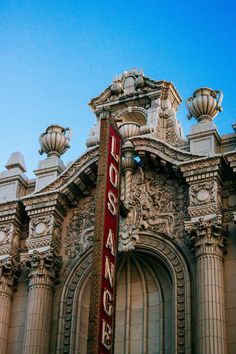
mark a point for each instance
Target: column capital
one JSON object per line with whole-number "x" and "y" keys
{"x": 206, "y": 236}
{"x": 9, "y": 271}
{"x": 42, "y": 267}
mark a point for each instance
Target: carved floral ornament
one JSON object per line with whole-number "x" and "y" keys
{"x": 155, "y": 203}
{"x": 42, "y": 267}
{"x": 9, "y": 271}
{"x": 206, "y": 235}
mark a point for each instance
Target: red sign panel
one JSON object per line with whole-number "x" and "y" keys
{"x": 102, "y": 302}
{"x": 109, "y": 243}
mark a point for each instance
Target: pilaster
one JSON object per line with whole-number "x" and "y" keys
{"x": 206, "y": 236}
{"x": 42, "y": 269}
{"x": 9, "y": 270}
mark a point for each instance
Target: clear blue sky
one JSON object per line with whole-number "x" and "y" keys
{"x": 56, "y": 55}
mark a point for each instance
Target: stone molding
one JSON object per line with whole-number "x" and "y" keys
{"x": 72, "y": 172}
{"x": 206, "y": 237}
{"x": 42, "y": 268}
{"x": 162, "y": 149}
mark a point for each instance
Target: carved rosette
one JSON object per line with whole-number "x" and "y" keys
{"x": 204, "y": 198}
{"x": 42, "y": 268}
{"x": 206, "y": 237}
{"x": 44, "y": 230}
{"x": 9, "y": 270}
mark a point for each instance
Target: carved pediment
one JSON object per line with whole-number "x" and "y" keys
{"x": 133, "y": 84}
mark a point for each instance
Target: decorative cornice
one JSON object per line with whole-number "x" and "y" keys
{"x": 231, "y": 158}
{"x": 206, "y": 237}
{"x": 71, "y": 171}
{"x": 163, "y": 149}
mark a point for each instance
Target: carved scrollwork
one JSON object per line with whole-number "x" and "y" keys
{"x": 81, "y": 228}
{"x": 157, "y": 204}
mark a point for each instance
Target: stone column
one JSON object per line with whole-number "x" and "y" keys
{"x": 207, "y": 238}
{"x": 43, "y": 268}
{"x": 8, "y": 273}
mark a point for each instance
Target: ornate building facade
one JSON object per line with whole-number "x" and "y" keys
{"x": 176, "y": 279}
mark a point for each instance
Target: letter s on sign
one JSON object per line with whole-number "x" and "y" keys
{"x": 112, "y": 203}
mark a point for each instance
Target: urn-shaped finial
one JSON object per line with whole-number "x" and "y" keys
{"x": 55, "y": 141}
{"x": 204, "y": 104}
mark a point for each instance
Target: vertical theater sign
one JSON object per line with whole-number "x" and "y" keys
{"x": 102, "y": 298}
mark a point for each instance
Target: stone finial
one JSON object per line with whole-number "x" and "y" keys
{"x": 54, "y": 141}
{"x": 16, "y": 161}
{"x": 205, "y": 104}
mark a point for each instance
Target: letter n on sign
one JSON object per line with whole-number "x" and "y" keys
{"x": 102, "y": 298}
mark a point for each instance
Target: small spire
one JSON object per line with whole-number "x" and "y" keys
{"x": 16, "y": 160}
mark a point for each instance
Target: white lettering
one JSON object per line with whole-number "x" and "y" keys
{"x": 112, "y": 202}
{"x": 113, "y": 175}
{"x": 111, "y": 242}
{"x": 107, "y": 302}
{"x": 109, "y": 271}
{"x": 113, "y": 149}
{"x": 106, "y": 335}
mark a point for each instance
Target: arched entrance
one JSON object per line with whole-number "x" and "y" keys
{"x": 153, "y": 302}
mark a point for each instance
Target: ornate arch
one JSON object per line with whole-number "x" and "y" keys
{"x": 164, "y": 250}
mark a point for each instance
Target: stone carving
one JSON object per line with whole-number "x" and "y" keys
{"x": 157, "y": 204}
{"x": 54, "y": 141}
{"x": 200, "y": 164}
{"x": 203, "y": 193}
{"x": 42, "y": 267}
{"x": 81, "y": 228}
{"x": 44, "y": 230}
{"x": 41, "y": 226}
{"x": 6, "y": 233}
{"x": 136, "y": 109}
{"x": 172, "y": 132}
{"x": 9, "y": 271}
{"x": 176, "y": 156}
{"x": 72, "y": 171}
{"x": 9, "y": 238}
{"x": 206, "y": 235}
{"x": 205, "y": 104}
